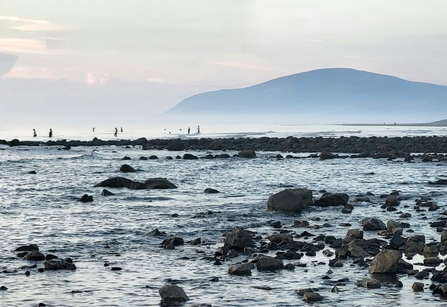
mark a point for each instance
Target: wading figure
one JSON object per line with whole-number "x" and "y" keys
{"x": 116, "y": 132}
{"x": 50, "y": 134}
{"x": 34, "y": 133}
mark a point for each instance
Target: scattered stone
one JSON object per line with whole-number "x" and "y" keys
{"x": 247, "y": 153}
{"x": 210, "y": 191}
{"x": 159, "y": 183}
{"x": 106, "y": 193}
{"x": 59, "y": 264}
{"x": 172, "y": 293}
{"x": 290, "y": 200}
{"x": 27, "y": 248}
{"x": 369, "y": 283}
{"x": 240, "y": 269}
{"x": 268, "y": 263}
{"x": 373, "y": 224}
{"x": 238, "y": 239}
{"x": 385, "y": 261}
{"x": 312, "y": 297}
{"x": 126, "y": 168}
{"x": 86, "y": 198}
{"x": 418, "y": 287}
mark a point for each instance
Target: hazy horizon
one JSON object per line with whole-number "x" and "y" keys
{"x": 129, "y": 61}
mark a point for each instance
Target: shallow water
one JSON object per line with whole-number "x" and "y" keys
{"x": 43, "y": 209}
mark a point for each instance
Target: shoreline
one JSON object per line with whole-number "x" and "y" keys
{"x": 367, "y": 146}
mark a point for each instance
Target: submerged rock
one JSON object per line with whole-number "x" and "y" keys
{"x": 59, "y": 264}
{"x": 240, "y": 269}
{"x": 120, "y": 182}
{"x": 159, "y": 183}
{"x": 332, "y": 199}
{"x": 126, "y": 168}
{"x": 247, "y": 153}
{"x": 86, "y": 198}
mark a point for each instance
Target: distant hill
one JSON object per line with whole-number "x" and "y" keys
{"x": 333, "y": 91}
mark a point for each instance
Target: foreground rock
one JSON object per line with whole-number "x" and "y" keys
{"x": 172, "y": 293}
{"x": 386, "y": 262}
{"x": 243, "y": 269}
{"x": 238, "y": 239}
{"x": 290, "y": 200}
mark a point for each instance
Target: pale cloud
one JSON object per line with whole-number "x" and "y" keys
{"x": 24, "y": 72}
{"x": 38, "y": 27}
{"x": 157, "y": 80}
{"x": 18, "y": 19}
{"x": 241, "y": 65}
{"x": 93, "y": 78}
{"x": 22, "y": 45}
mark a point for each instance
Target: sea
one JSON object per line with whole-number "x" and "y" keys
{"x": 114, "y": 231}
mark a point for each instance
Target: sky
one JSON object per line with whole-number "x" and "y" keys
{"x": 151, "y": 54}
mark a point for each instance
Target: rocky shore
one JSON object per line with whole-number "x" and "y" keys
{"x": 367, "y": 147}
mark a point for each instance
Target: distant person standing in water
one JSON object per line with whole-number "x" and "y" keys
{"x": 116, "y": 132}
{"x": 93, "y": 129}
{"x": 34, "y": 133}
{"x": 198, "y": 129}
{"x": 121, "y": 129}
{"x": 189, "y": 130}
{"x": 51, "y": 133}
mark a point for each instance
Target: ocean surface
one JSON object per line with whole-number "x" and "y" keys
{"x": 43, "y": 209}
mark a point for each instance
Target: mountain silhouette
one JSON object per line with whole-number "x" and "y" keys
{"x": 334, "y": 91}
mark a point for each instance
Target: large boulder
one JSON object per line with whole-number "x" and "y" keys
{"x": 290, "y": 200}
{"x": 159, "y": 183}
{"x": 373, "y": 224}
{"x": 238, "y": 239}
{"x": 120, "y": 182}
{"x": 247, "y": 153}
{"x": 172, "y": 293}
{"x": 269, "y": 263}
{"x": 386, "y": 262}
{"x": 332, "y": 199}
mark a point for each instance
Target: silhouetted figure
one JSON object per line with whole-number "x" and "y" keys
{"x": 189, "y": 130}
{"x": 198, "y": 129}
{"x": 34, "y": 133}
{"x": 93, "y": 129}
{"x": 116, "y": 132}
{"x": 51, "y": 133}
{"x": 121, "y": 129}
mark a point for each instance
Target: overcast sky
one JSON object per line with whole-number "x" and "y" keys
{"x": 199, "y": 45}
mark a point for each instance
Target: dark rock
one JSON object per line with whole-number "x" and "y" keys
{"x": 32, "y": 172}
{"x": 418, "y": 287}
{"x": 159, "y": 183}
{"x": 332, "y": 199}
{"x": 238, "y": 239}
{"x": 172, "y": 293}
{"x": 243, "y": 269}
{"x": 373, "y": 224}
{"x": 120, "y": 182}
{"x": 153, "y": 157}
{"x": 143, "y": 158}
{"x": 312, "y": 297}
{"x": 247, "y": 153}
{"x": 126, "y": 158}
{"x": 106, "y": 193}
{"x": 35, "y": 255}
{"x": 188, "y": 156}
{"x": 59, "y": 264}
{"x": 126, "y": 168}
{"x": 327, "y": 155}
{"x": 369, "y": 283}
{"x": 269, "y": 263}
{"x": 290, "y": 200}
{"x": 385, "y": 261}
{"x": 27, "y": 248}
{"x": 86, "y": 198}
{"x": 210, "y": 191}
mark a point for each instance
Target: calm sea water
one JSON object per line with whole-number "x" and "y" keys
{"x": 43, "y": 209}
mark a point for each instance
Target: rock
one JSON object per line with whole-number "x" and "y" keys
{"x": 355, "y": 234}
{"x": 391, "y": 200}
{"x": 126, "y": 158}
{"x": 290, "y": 200}
{"x": 120, "y": 182}
{"x": 27, "y": 248}
{"x": 373, "y": 224}
{"x": 210, "y": 191}
{"x": 418, "y": 287}
{"x": 385, "y": 261}
{"x": 153, "y": 157}
{"x": 155, "y": 232}
{"x": 159, "y": 183}
{"x": 172, "y": 242}
{"x": 86, "y": 198}
{"x": 35, "y": 255}
{"x": 32, "y": 172}
{"x": 106, "y": 193}
{"x": 238, "y": 239}
{"x": 59, "y": 264}
{"x": 143, "y": 158}
{"x": 439, "y": 182}
{"x": 327, "y": 155}
{"x": 268, "y": 263}
{"x": 281, "y": 238}
{"x": 369, "y": 283}
{"x": 126, "y": 168}
{"x": 240, "y": 269}
{"x": 172, "y": 293}
{"x": 188, "y": 156}
{"x": 332, "y": 199}
{"x": 312, "y": 297}
{"x": 247, "y": 153}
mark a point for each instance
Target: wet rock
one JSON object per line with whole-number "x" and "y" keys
{"x": 172, "y": 242}
{"x": 290, "y": 200}
{"x": 439, "y": 182}
{"x": 355, "y": 234}
{"x": 106, "y": 193}
{"x": 392, "y": 201}
{"x": 172, "y": 293}
{"x": 143, "y": 158}
{"x": 155, "y": 232}
{"x": 369, "y": 283}
{"x": 432, "y": 261}
{"x": 27, "y": 248}
{"x": 268, "y": 263}
{"x": 3, "y": 288}
{"x": 188, "y": 156}
{"x": 126, "y": 168}
{"x": 243, "y": 269}
{"x": 332, "y": 199}
{"x": 238, "y": 239}
{"x": 126, "y": 158}
{"x": 32, "y": 172}
{"x": 50, "y": 257}
{"x": 396, "y": 241}
{"x": 159, "y": 183}
{"x": 153, "y": 157}
{"x": 59, "y": 264}
{"x": 418, "y": 287}
{"x": 385, "y": 261}
{"x": 373, "y": 224}
{"x": 247, "y": 153}
{"x": 327, "y": 155}
{"x": 120, "y": 182}
{"x": 35, "y": 255}
{"x": 86, "y": 198}
{"x": 281, "y": 238}
{"x": 210, "y": 191}
{"x": 312, "y": 297}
